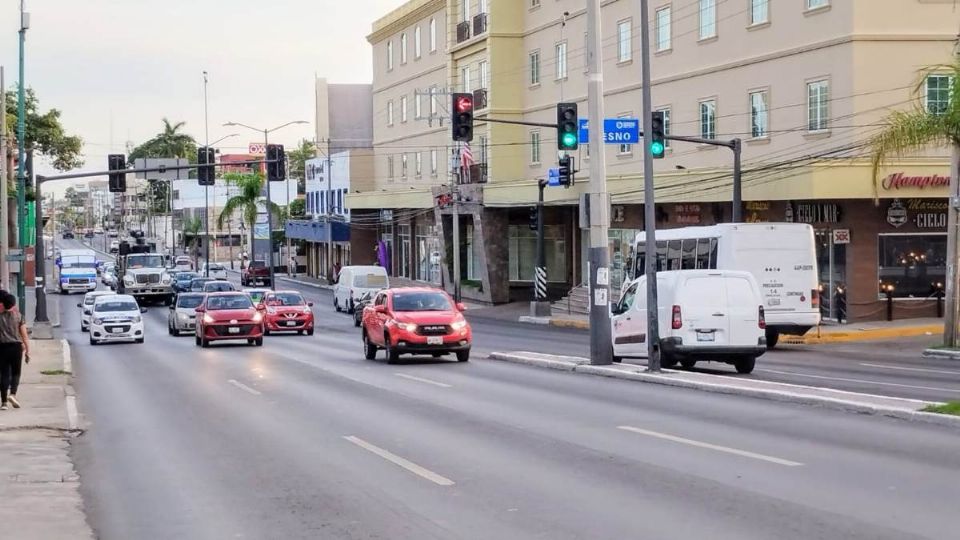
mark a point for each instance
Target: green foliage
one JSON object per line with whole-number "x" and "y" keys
{"x": 298, "y": 163}
{"x": 73, "y": 197}
{"x": 158, "y": 193}
{"x": 44, "y": 132}
{"x": 951, "y": 407}
{"x": 298, "y": 208}
{"x": 169, "y": 143}
{"x": 251, "y": 185}
{"x": 191, "y": 230}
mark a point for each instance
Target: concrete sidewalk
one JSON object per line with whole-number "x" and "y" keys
{"x": 38, "y": 484}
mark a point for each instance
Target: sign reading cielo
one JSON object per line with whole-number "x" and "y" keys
{"x": 899, "y": 180}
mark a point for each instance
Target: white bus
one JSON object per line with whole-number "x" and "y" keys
{"x": 781, "y": 256}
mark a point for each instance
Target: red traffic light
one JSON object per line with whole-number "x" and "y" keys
{"x": 464, "y": 104}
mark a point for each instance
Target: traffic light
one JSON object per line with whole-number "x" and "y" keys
{"x": 658, "y": 145}
{"x": 568, "y": 137}
{"x": 534, "y": 217}
{"x": 566, "y": 172}
{"x": 117, "y": 182}
{"x": 206, "y": 173}
{"x": 462, "y": 117}
{"x": 276, "y": 164}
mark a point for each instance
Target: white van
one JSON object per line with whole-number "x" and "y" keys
{"x": 353, "y": 281}
{"x": 714, "y": 315}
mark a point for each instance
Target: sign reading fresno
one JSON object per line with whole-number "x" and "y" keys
{"x": 899, "y": 180}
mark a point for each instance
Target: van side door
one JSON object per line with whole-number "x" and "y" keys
{"x": 629, "y": 322}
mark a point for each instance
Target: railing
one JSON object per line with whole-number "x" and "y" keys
{"x": 463, "y": 31}
{"x": 479, "y": 23}
{"x": 480, "y": 99}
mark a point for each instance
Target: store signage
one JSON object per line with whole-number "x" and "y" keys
{"x": 929, "y": 214}
{"x": 257, "y": 149}
{"x": 841, "y": 236}
{"x": 687, "y": 214}
{"x": 758, "y": 206}
{"x": 896, "y": 213}
{"x": 899, "y": 180}
{"x": 817, "y": 213}
{"x": 386, "y": 214}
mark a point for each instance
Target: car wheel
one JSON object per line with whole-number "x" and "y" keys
{"x": 258, "y": 342}
{"x": 93, "y": 341}
{"x": 463, "y": 356}
{"x": 336, "y": 305}
{"x": 356, "y": 322}
{"x": 310, "y": 331}
{"x": 617, "y": 359}
{"x": 668, "y": 361}
{"x": 175, "y": 332}
{"x": 688, "y": 363}
{"x": 205, "y": 343}
{"x": 84, "y": 328}
{"x": 393, "y": 355}
{"x": 196, "y": 339}
{"x": 745, "y": 364}
{"x": 369, "y": 349}
{"x": 350, "y": 307}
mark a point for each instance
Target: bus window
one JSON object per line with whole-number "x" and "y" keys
{"x": 661, "y": 255}
{"x": 674, "y": 254}
{"x": 713, "y": 253}
{"x": 703, "y": 253}
{"x": 689, "y": 254}
{"x": 640, "y": 259}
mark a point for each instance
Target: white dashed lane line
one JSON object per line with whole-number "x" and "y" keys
{"x": 710, "y": 446}
{"x": 244, "y": 387}
{"x": 421, "y": 379}
{"x": 399, "y": 461}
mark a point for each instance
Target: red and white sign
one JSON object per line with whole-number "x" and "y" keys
{"x": 899, "y": 180}
{"x": 841, "y": 236}
{"x": 257, "y": 149}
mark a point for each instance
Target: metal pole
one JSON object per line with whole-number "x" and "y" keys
{"x": 206, "y": 189}
{"x": 649, "y": 202}
{"x": 540, "y": 307}
{"x": 456, "y": 244}
{"x": 736, "y": 146}
{"x": 601, "y": 352}
{"x": 830, "y": 295}
{"x": 41, "y": 324}
{"x": 953, "y": 220}
{"x": 21, "y": 147}
{"x": 4, "y": 201}
{"x": 273, "y": 284}
{"x": 329, "y": 268}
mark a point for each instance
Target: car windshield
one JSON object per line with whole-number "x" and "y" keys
{"x": 216, "y": 267}
{"x": 189, "y": 301}
{"x": 144, "y": 261}
{"x": 78, "y": 261}
{"x": 256, "y": 296}
{"x": 257, "y": 264}
{"x": 198, "y": 284}
{"x": 421, "y": 301}
{"x": 115, "y": 305}
{"x": 370, "y": 281}
{"x": 218, "y": 286}
{"x": 285, "y": 299}
{"x": 232, "y": 301}
{"x": 91, "y": 299}
{"x": 187, "y": 276}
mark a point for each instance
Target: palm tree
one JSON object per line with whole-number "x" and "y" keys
{"x": 191, "y": 229}
{"x": 919, "y": 128}
{"x": 247, "y": 202}
{"x": 298, "y": 163}
{"x": 169, "y": 143}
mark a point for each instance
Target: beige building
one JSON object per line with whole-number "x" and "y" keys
{"x": 803, "y": 83}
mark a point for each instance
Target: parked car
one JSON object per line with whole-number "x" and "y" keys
{"x": 182, "y": 281}
{"x": 86, "y": 308}
{"x": 183, "y": 315}
{"x": 114, "y": 246}
{"x": 287, "y": 311}
{"x": 714, "y": 315}
{"x": 116, "y": 317}
{"x": 255, "y": 272}
{"x": 216, "y": 285}
{"x": 183, "y": 264}
{"x": 353, "y": 281}
{"x": 217, "y": 270}
{"x": 365, "y": 300}
{"x": 98, "y": 230}
{"x": 228, "y": 316}
{"x": 197, "y": 284}
{"x": 109, "y": 278}
{"x": 412, "y": 320}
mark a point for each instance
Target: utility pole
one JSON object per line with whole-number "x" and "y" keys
{"x": 4, "y": 201}
{"x": 206, "y": 189}
{"x": 540, "y": 307}
{"x": 42, "y": 329}
{"x": 601, "y": 352}
{"x": 649, "y": 208}
{"x": 457, "y": 180}
{"x": 330, "y": 276}
{"x": 21, "y": 158}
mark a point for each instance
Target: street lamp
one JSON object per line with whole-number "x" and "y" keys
{"x": 266, "y": 137}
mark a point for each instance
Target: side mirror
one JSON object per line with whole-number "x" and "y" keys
{"x": 380, "y": 309}
{"x": 143, "y": 310}
{"x": 461, "y": 306}
{"x": 79, "y": 304}
{"x": 310, "y": 304}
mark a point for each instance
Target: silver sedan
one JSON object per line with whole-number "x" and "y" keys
{"x": 183, "y": 315}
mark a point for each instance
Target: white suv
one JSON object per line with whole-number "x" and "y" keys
{"x": 217, "y": 270}
{"x": 86, "y": 307}
{"x": 116, "y": 317}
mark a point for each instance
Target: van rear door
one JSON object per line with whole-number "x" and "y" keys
{"x": 702, "y": 301}
{"x": 743, "y": 305}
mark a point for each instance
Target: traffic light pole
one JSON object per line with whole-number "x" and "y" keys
{"x": 649, "y": 204}
{"x": 737, "y": 146}
{"x": 540, "y": 307}
{"x": 21, "y": 146}
{"x": 42, "y": 329}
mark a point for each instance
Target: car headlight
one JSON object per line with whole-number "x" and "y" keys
{"x": 183, "y": 316}
{"x": 257, "y": 317}
{"x": 98, "y": 321}
{"x": 137, "y": 319}
{"x": 458, "y": 325}
{"x": 306, "y": 309}
{"x": 409, "y": 327}
{"x": 127, "y": 280}
{"x": 166, "y": 280}
{"x": 208, "y": 319}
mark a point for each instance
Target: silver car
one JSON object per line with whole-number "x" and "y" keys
{"x": 183, "y": 315}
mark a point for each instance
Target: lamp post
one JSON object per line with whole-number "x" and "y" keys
{"x": 21, "y": 162}
{"x": 266, "y": 141}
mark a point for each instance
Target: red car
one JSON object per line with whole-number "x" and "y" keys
{"x": 286, "y": 311}
{"x": 228, "y": 315}
{"x": 256, "y": 271}
{"x": 415, "y": 320}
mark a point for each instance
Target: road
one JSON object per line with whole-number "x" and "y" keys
{"x": 302, "y": 438}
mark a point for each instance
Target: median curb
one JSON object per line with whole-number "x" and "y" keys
{"x": 945, "y": 354}
{"x": 900, "y": 408}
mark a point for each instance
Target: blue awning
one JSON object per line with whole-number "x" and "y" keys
{"x": 318, "y": 231}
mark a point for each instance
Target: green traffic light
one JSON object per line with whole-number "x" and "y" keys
{"x": 569, "y": 140}
{"x": 657, "y": 148}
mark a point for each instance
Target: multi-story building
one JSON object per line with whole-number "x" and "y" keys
{"x": 803, "y": 83}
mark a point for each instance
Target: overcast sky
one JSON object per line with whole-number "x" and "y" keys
{"x": 116, "y": 67}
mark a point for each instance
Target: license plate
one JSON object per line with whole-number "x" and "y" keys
{"x": 233, "y": 330}
{"x": 291, "y": 323}
{"x": 704, "y": 336}
{"x": 116, "y": 330}
{"x": 435, "y": 340}
{"x": 773, "y": 301}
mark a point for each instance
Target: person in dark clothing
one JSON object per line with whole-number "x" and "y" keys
{"x": 14, "y": 349}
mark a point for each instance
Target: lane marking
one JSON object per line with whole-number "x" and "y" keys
{"x": 244, "y": 387}
{"x": 859, "y": 381}
{"x": 420, "y": 379}
{"x": 708, "y": 446}
{"x": 924, "y": 370}
{"x": 72, "y": 415}
{"x": 397, "y": 460}
{"x": 67, "y": 360}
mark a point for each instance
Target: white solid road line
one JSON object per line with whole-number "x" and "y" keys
{"x": 858, "y": 380}
{"x": 923, "y": 370}
{"x": 419, "y": 379}
{"x": 244, "y": 387}
{"x": 397, "y": 460}
{"x": 699, "y": 444}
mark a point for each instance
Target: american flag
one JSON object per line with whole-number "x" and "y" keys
{"x": 466, "y": 156}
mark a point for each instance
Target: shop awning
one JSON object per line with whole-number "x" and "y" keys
{"x": 318, "y": 231}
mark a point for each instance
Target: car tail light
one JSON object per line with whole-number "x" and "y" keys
{"x": 761, "y": 320}
{"x": 814, "y": 298}
{"x": 677, "y": 322}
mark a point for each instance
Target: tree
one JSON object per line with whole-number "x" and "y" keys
{"x": 191, "y": 230}
{"x": 298, "y": 208}
{"x": 44, "y": 132}
{"x": 246, "y": 202}
{"x": 914, "y": 130}
{"x": 169, "y": 143}
{"x": 298, "y": 163}
{"x": 73, "y": 197}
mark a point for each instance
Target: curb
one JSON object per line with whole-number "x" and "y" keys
{"x": 864, "y": 335}
{"x": 941, "y": 353}
{"x": 789, "y": 393}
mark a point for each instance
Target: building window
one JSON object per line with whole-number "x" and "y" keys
{"x": 708, "y": 119}
{"x": 937, "y": 93}
{"x": 534, "y": 4}
{"x": 561, "y": 50}
{"x": 403, "y": 166}
{"x": 473, "y": 254}
{"x": 814, "y": 4}
{"x": 390, "y": 113}
{"x": 403, "y": 48}
{"x": 818, "y": 95}
{"x": 625, "y": 148}
{"x": 389, "y": 56}
{"x": 390, "y": 171}
{"x": 758, "y": 114}
{"x": 663, "y": 29}
{"x": 534, "y": 67}
{"x": 417, "y": 107}
{"x": 418, "y": 163}
{"x": 465, "y": 79}
{"x": 624, "y": 41}
{"x": 911, "y": 262}
{"x": 484, "y": 148}
{"x": 403, "y": 108}
{"x": 708, "y": 18}
{"x": 433, "y": 162}
{"x": 522, "y": 252}
{"x": 666, "y": 125}
{"x": 433, "y": 102}
{"x": 464, "y": 10}
{"x": 484, "y": 75}
{"x": 759, "y": 11}
{"x": 416, "y": 43}
{"x": 433, "y": 35}
{"x": 535, "y": 147}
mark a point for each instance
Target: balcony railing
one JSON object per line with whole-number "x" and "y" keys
{"x": 463, "y": 31}
{"x": 480, "y": 99}
{"x": 479, "y": 23}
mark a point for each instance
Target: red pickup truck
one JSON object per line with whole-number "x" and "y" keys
{"x": 254, "y": 272}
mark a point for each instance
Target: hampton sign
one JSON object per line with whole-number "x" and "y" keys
{"x": 899, "y": 180}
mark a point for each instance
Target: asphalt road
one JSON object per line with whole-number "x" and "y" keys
{"x": 302, "y": 438}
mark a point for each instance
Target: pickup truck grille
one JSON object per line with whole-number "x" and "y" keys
{"x": 433, "y": 330}
{"x": 78, "y": 281}
{"x": 148, "y": 278}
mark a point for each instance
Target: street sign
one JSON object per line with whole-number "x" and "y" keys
{"x": 154, "y": 163}
{"x": 257, "y": 149}
{"x": 584, "y": 131}
{"x": 15, "y": 255}
{"x": 615, "y": 131}
{"x": 553, "y": 177}
{"x": 841, "y": 236}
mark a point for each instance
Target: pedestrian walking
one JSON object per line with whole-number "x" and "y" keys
{"x": 14, "y": 349}
{"x": 292, "y": 267}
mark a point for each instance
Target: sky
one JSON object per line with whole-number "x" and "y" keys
{"x": 115, "y": 68}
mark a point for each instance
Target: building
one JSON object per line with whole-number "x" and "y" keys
{"x": 803, "y": 84}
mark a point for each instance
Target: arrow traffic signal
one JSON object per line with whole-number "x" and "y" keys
{"x": 462, "y": 123}
{"x": 567, "y": 126}
{"x": 117, "y": 182}
{"x": 658, "y": 145}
